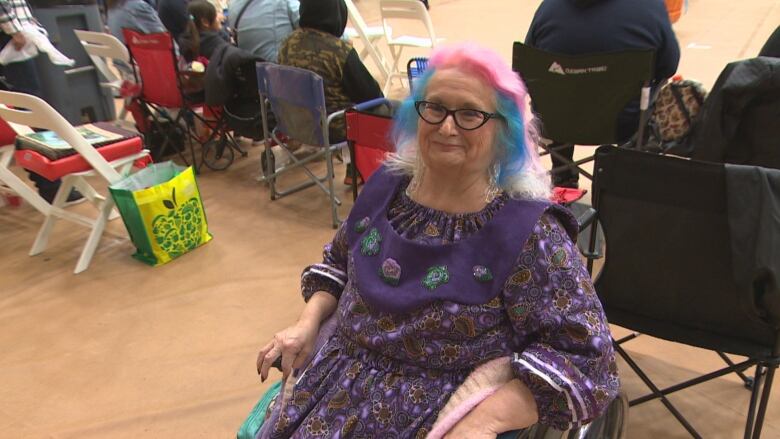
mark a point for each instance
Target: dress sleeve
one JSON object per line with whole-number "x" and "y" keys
{"x": 567, "y": 359}
{"x": 331, "y": 274}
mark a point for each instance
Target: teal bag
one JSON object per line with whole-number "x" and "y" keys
{"x": 254, "y": 421}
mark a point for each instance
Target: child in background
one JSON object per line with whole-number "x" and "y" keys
{"x": 203, "y": 36}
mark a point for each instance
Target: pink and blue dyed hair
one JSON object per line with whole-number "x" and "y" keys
{"x": 519, "y": 169}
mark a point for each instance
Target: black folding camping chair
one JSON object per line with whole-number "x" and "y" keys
{"x": 691, "y": 258}
{"x": 579, "y": 98}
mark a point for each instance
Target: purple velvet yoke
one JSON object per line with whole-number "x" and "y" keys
{"x": 461, "y": 290}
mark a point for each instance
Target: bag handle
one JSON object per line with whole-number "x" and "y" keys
{"x": 238, "y": 20}
{"x": 681, "y": 103}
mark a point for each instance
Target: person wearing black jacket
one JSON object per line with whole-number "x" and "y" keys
{"x": 573, "y": 27}
{"x": 317, "y": 46}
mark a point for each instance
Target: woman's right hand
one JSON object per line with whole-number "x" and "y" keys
{"x": 293, "y": 344}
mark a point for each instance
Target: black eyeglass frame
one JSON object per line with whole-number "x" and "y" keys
{"x": 447, "y": 112}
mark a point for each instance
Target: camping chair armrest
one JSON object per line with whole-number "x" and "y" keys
{"x": 360, "y": 107}
{"x": 363, "y": 106}
{"x": 334, "y": 115}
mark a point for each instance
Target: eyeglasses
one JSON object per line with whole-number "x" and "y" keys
{"x": 465, "y": 118}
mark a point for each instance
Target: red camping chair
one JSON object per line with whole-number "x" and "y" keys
{"x": 368, "y": 137}
{"x": 162, "y": 90}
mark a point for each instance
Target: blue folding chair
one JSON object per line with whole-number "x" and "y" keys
{"x": 297, "y": 99}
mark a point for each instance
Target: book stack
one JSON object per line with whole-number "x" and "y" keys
{"x": 50, "y": 145}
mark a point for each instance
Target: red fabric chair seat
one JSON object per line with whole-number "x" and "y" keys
{"x": 54, "y": 169}
{"x": 566, "y": 196}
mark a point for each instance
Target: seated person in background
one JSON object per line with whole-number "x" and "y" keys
{"x": 203, "y": 36}
{"x": 263, "y": 25}
{"x": 317, "y": 46}
{"x": 131, "y": 14}
{"x": 499, "y": 291}
{"x": 574, "y": 27}
{"x": 173, "y": 14}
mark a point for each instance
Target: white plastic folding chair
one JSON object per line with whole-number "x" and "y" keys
{"x": 10, "y": 184}
{"x": 408, "y": 11}
{"x": 100, "y": 47}
{"x": 24, "y": 109}
{"x": 369, "y": 35}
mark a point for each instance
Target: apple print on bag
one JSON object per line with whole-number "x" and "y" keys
{"x": 180, "y": 230}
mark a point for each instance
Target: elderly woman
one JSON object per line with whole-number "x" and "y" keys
{"x": 462, "y": 307}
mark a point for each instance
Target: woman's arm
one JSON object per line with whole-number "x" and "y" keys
{"x": 321, "y": 286}
{"x": 567, "y": 361}
{"x": 330, "y": 275}
{"x": 295, "y": 343}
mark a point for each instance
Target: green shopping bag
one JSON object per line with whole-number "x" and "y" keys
{"x": 163, "y": 212}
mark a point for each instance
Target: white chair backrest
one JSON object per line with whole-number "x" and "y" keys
{"x": 406, "y": 10}
{"x": 100, "y": 45}
{"x": 362, "y": 30}
{"x": 35, "y": 112}
{"x": 103, "y": 44}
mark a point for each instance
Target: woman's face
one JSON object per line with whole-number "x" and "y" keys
{"x": 447, "y": 147}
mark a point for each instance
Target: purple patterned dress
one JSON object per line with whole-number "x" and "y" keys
{"x": 410, "y": 332}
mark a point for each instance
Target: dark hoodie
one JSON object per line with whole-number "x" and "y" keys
{"x": 328, "y": 16}
{"x": 317, "y": 46}
{"x": 575, "y": 27}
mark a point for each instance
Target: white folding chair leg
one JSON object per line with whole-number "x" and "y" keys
{"x": 394, "y": 71}
{"x": 87, "y": 190}
{"x": 15, "y": 183}
{"x": 42, "y": 240}
{"x": 95, "y": 235}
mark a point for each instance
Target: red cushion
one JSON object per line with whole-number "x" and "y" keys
{"x": 54, "y": 169}
{"x": 565, "y": 195}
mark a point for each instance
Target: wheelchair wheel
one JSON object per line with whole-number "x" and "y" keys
{"x": 218, "y": 155}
